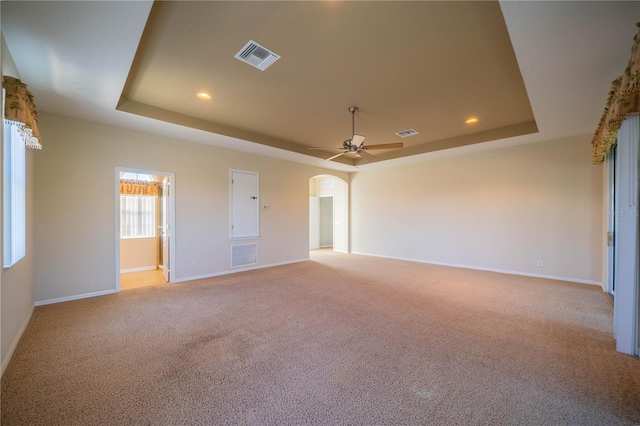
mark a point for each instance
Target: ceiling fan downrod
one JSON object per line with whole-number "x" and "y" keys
{"x": 347, "y": 144}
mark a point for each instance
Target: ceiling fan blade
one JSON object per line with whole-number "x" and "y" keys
{"x": 325, "y": 148}
{"x": 364, "y": 154}
{"x": 357, "y": 140}
{"x": 384, "y": 146}
{"x": 335, "y": 156}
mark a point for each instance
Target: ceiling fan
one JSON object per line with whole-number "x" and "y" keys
{"x": 356, "y": 145}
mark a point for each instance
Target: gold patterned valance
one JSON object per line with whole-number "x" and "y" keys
{"x": 20, "y": 108}
{"x": 138, "y": 187}
{"x": 623, "y": 101}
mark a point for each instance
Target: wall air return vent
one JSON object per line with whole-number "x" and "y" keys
{"x": 407, "y": 133}
{"x": 244, "y": 255}
{"x": 257, "y": 56}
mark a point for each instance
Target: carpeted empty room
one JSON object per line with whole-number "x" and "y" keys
{"x": 339, "y": 339}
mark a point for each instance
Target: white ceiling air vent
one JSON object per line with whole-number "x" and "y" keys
{"x": 257, "y": 56}
{"x": 407, "y": 133}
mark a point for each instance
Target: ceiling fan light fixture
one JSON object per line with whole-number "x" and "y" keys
{"x": 355, "y": 145}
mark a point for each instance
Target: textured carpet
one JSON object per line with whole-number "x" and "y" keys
{"x": 341, "y": 339}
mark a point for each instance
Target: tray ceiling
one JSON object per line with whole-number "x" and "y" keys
{"x": 426, "y": 66}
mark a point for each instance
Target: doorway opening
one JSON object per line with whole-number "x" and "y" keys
{"x": 325, "y": 221}
{"x": 144, "y": 228}
{"x": 328, "y": 213}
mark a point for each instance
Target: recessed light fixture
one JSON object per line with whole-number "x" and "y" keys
{"x": 471, "y": 120}
{"x": 205, "y": 96}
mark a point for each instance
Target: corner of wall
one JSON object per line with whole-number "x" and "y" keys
{"x": 6, "y": 357}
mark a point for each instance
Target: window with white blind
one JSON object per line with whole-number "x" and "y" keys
{"x": 14, "y": 195}
{"x": 137, "y": 216}
{"x": 137, "y": 206}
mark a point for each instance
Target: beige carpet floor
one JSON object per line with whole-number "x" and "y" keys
{"x": 341, "y": 340}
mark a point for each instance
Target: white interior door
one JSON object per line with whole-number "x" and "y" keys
{"x": 244, "y": 205}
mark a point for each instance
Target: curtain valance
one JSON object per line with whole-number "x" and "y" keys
{"x": 623, "y": 101}
{"x": 20, "y": 109}
{"x": 138, "y": 187}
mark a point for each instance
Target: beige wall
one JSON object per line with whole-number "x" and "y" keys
{"x": 16, "y": 300}
{"x": 75, "y": 204}
{"x": 136, "y": 253}
{"x": 503, "y": 209}
{"x": 17, "y": 281}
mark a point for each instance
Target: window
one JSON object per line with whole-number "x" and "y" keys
{"x": 136, "y": 176}
{"x": 14, "y": 205}
{"x": 137, "y": 212}
{"x": 137, "y": 216}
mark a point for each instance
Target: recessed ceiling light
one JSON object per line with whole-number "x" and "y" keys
{"x": 471, "y": 120}
{"x": 203, "y": 95}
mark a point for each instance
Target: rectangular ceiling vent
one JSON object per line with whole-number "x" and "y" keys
{"x": 257, "y": 56}
{"x": 407, "y": 133}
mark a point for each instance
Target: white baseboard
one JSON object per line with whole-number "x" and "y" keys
{"x": 14, "y": 343}
{"x": 140, "y": 269}
{"x": 76, "y": 297}
{"x": 479, "y": 268}
{"x": 236, "y": 270}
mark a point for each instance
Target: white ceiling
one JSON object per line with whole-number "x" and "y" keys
{"x": 76, "y": 57}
